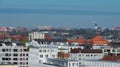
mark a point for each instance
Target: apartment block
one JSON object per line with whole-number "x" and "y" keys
{"x": 13, "y": 53}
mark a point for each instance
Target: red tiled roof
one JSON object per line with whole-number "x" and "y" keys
{"x": 78, "y": 50}
{"x": 111, "y": 58}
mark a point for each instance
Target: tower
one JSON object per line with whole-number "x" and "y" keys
{"x": 96, "y": 26}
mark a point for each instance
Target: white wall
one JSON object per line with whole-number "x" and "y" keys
{"x": 86, "y": 56}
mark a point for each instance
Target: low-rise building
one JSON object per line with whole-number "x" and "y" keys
{"x": 36, "y": 35}
{"x": 86, "y": 54}
{"x": 100, "y": 64}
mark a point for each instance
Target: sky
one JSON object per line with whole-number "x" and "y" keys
{"x": 60, "y": 13}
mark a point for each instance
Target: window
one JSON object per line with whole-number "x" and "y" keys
{"x": 44, "y": 50}
{"x": 7, "y": 54}
{"x": 15, "y": 54}
{"x": 14, "y": 62}
{"x": 15, "y": 59}
{"x": 113, "y": 50}
{"x": 77, "y": 64}
{"x": 15, "y": 50}
{"x": 73, "y": 64}
{"x": 53, "y": 55}
{"x": 69, "y": 64}
{"x": 46, "y": 56}
{"x": 27, "y": 63}
{"x": 20, "y": 50}
{"x": 40, "y": 50}
{"x": 23, "y": 54}
{"x": 20, "y": 58}
{"x": 26, "y": 58}
{"x": 3, "y": 50}
{"x": 20, "y": 63}
{"x": 25, "y": 49}
{"x": 6, "y": 58}
{"x": 23, "y": 58}
{"x": 26, "y": 54}
{"x": 41, "y": 56}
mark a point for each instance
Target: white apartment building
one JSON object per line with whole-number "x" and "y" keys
{"x": 37, "y": 42}
{"x": 40, "y": 53}
{"x": 86, "y": 54}
{"x": 36, "y": 35}
{"x": 100, "y": 64}
{"x": 13, "y": 53}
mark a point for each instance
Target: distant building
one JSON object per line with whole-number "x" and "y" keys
{"x": 45, "y": 27}
{"x": 86, "y": 54}
{"x": 116, "y": 28}
{"x": 98, "y": 40}
{"x": 96, "y": 26}
{"x": 36, "y": 35}
{"x": 97, "y": 63}
{"x": 81, "y": 41}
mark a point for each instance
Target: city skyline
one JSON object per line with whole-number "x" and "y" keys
{"x": 63, "y": 13}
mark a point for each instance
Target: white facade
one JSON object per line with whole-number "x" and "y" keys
{"x": 100, "y": 64}
{"x": 86, "y": 56}
{"x": 36, "y": 35}
{"x": 47, "y": 51}
{"x": 12, "y": 54}
{"x": 41, "y": 53}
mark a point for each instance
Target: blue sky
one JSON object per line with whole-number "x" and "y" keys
{"x": 60, "y": 13}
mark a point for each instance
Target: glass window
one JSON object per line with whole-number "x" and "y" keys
{"x": 15, "y": 59}
{"x": 14, "y": 62}
{"x": 44, "y": 50}
{"x": 26, "y": 58}
{"x": 73, "y": 64}
{"x": 20, "y": 58}
{"x": 23, "y": 54}
{"x": 41, "y": 56}
{"x": 40, "y": 50}
{"x": 3, "y": 50}
{"x": 26, "y": 54}
{"x": 69, "y": 64}
{"x": 15, "y": 54}
{"x": 15, "y": 50}
{"x": 25, "y": 49}
{"x": 46, "y": 56}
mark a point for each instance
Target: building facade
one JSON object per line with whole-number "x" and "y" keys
{"x": 12, "y": 53}
{"x": 86, "y": 54}
{"x": 36, "y": 35}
